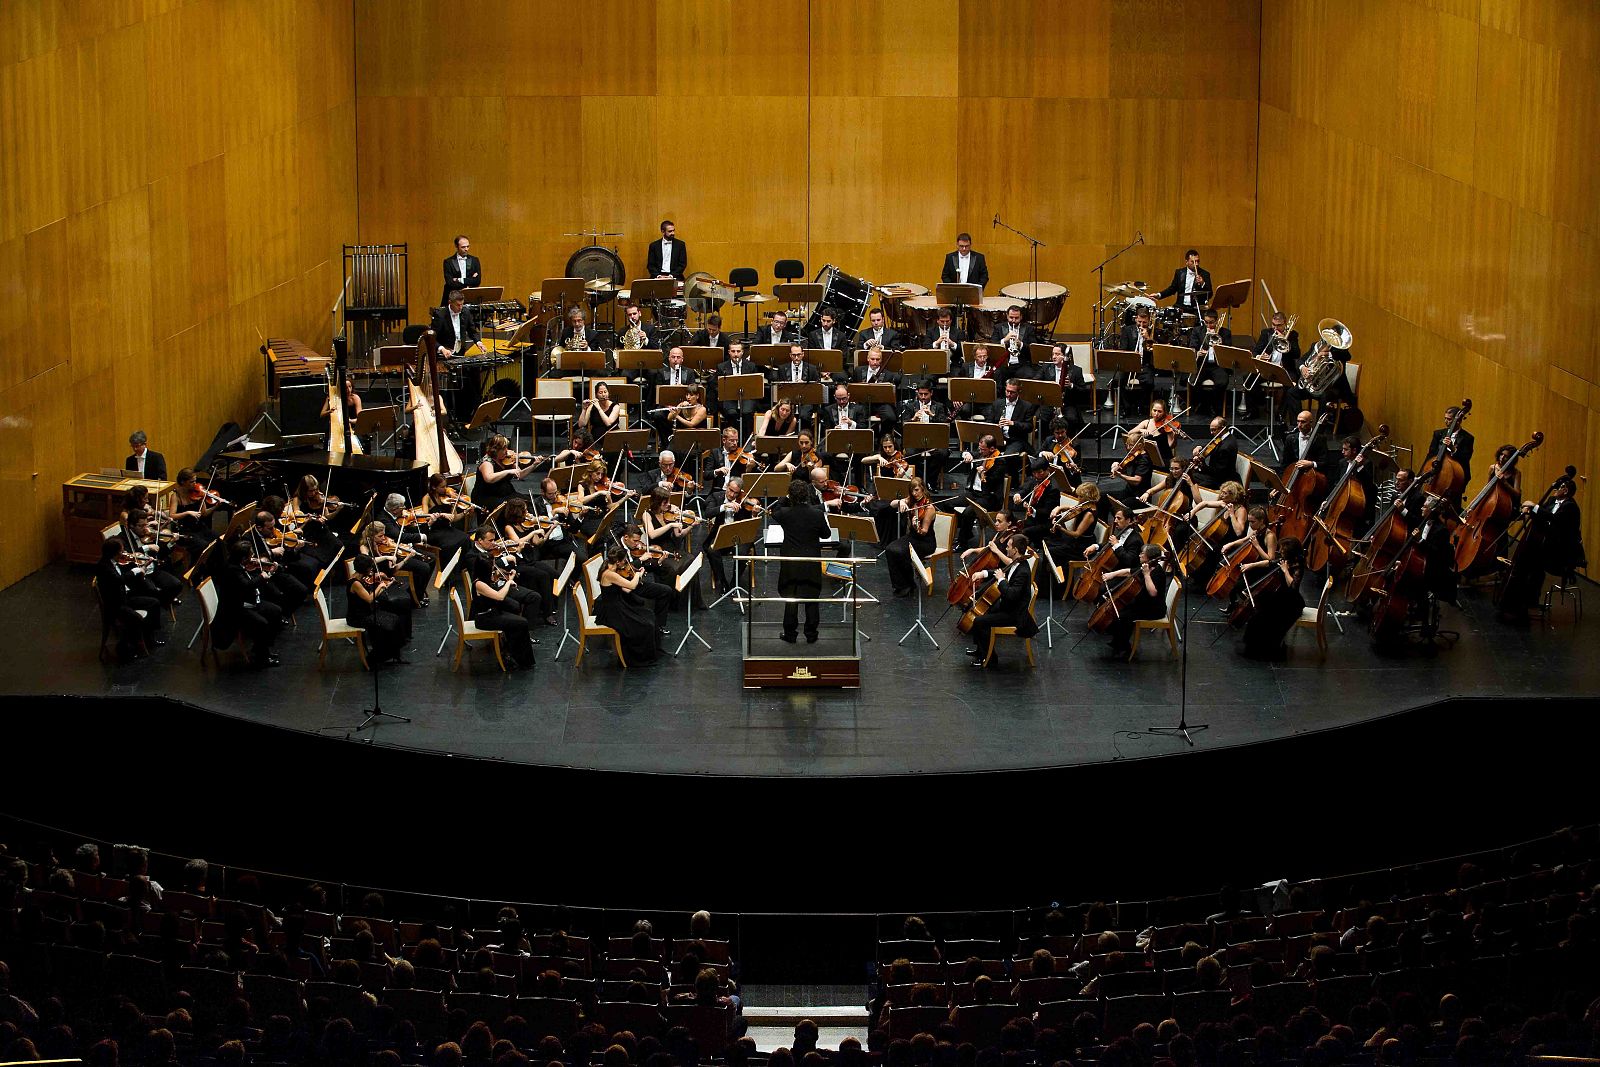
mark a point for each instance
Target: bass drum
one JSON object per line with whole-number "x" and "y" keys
{"x": 597, "y": 264}
{"x": 846, "y": 295}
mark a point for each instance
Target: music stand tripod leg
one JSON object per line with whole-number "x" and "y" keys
{"x": 919, "y": 624}
{"x": 689, "y": 616}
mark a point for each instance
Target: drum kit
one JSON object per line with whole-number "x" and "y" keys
{"x": 1126, "y": 299}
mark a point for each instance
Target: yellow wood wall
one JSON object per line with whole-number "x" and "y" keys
{"x": 1429, "y": 176}
{"x": 174, "y": 178}
{"x": 863, "y": 133}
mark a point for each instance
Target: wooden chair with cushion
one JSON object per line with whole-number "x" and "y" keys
{"x": 1168, "y": 622}
{"x": 337, "y": 630}
{"x": 467, "y": 632}
{"x": 588, "y": 627}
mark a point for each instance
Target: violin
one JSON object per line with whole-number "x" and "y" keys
{"x": 388, "y": 546}
{"x": 681, "y": 479}
{"x": 409, "y": 517}
{"x": 678, "y": 515}
{"x": 1170, "y": 424}
{"x": 282, "y": 538}
{"x": 850, "y": 494}
{"x": 1065, "y": 454}
{"x": 255, "y": 564}
{"x": 652, "y": 554}
{"x": 199, "y": 494}
{"x": 1060, "y": 521}
{"x": 374, "y": 581}
{"x": 897, "y": 464}
{"x": 509, "y": 460}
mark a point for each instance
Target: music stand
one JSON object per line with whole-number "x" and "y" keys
{"x": 703, "y": 358}
{"x": 828, "y": 360}
{"x": 604, "y": 525}
{"x": 1229, "y": 295}
{"x": 653, "y": 292}
{"x": 873, "y": 395}
{"x": 1172, "y": 358}
{"x": 685, "y": 441}
{"x": 924, "y": 583}
{"x": 483, "y": 294}
{"x": 1045, "y": 392}
{"x": 768, "y": 356}
{"x": 565, "y": 477}
{"x": 585, "y": 362}
{"x": 776, "y": 446}
{"x": 559, "y": 408}
{"x": 557, "y": 588}
{"x": 961, "y": 295}
{"x": 801, "y": 393}
{"x": 924, "y": 363}
{"x": 563, "y": 293}
{"x": 1059, "y": 581}
{"x": 637, "y": 360}
{"x": 924, "y": 437}
{"x": 976, "y": 393}
{"x": 1273, "y": 374}
{"x": 1235, "y": 360}
{"x": 679, "y": 584}
{"x": 488, "y": 412}
{"x": 375, "y": 420}
{"x": 1118, "y": 362}
{"x": 741, "y": 389}
{"x": 729, "y": 534}
{"x": 634, "y": 440}
{"x": 798, "y": 293}
{"x": 853, "y": 528}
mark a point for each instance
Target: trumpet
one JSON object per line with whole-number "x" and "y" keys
{"x": 1012, "y": 341}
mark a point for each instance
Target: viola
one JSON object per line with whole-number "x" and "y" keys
{"x": 509, "y": 460}
{"x": 198, "y": 494}
{"x": 284, "y": 539}
{"x": 681, "y": 479}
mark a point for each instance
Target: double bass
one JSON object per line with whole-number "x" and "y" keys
{"x": 1489, "y": 515}
{"x": 1402, "y": 583}
{"x": 1526, "y": 575}
{"x": 1303, "y": 485}
{"x": 1331, "y": 542}
{"x": 1442, "y": 473}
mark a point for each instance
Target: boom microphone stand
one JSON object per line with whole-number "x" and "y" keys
{"x": 1183, "y": 727}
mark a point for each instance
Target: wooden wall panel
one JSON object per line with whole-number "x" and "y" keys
{"x": 1422, "y": 182}
{"x": 174, "y": 178}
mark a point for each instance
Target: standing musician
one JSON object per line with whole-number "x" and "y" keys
{"x": 1191, "y": 284}
{"x": 1438, "y": 553}
{"x": 710, "y": 335}
{"x": 1511, "y": 479}
{"x": 375, "y": 605}
{"x": 461, "y": 271}
{"x": 1209, "y": 383}
{"x": 498, "y": 603}
{"x": 1130, "y": 475}
{"x": 636, "y": 333}
{"x": 877, "y": 336}
{"x": 455, "y": 326}
{"x": 872, "y": 372}
{"x": 1013, "y": 416}
{"x": 1561, "y": 553}
{"x": 964, "y": 265}
{"x": 270, "y": 548}
{"x": 499, "y": 471}
{"x": 1221, "y": 463}
{"x": 1063, "y": 369}
{"x": 984, "y": 485}
{"x": 828, "y": 333}
{"x": 1151, "y": 601}
{"x": 1266, "y": 348}
{"x": 920, "y": 510}
{"x": 804, "y": 529}
{"x": 601, "y": 414}
{"x": 1014, "y": 606}
{"x": 945, "y": 335}
{"x": 1163, "y": 429}
{"x": 732, "y": 411}
{"x": 1350, "y": 455}
{"x": 243, "y": 609}
{"x": 1138, "y": 336}
{"x": 446, "y": 509}
{"x": 660, "y": 595}
{"x": 138, "y": 613}
{"x": 1014, "y": 337}
{"x": 1400, "y": 487}
{"x": 777, "y": 331}
{"x": 668, "y": 257}
{"x": 1461, "y": 443}
{"x": 145, "y": 460}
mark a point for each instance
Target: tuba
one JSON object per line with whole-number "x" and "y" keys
{"x": 1321, "y": 369}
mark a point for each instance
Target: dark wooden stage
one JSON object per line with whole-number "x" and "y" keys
{"x": 919, "y": 709}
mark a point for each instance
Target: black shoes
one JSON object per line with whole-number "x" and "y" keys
{"x": 811, "y": 639}
{"x": 788, "y": 638}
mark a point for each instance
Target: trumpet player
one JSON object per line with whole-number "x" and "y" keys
{"x": 877, "y": 335}
{"x": 1015, "y": 336}
{"x": 945, "y": 334}
{"x": 1210, "y": 381}
{"x": 635, "y": 333}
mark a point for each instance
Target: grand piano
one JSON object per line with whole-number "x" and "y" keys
{"x": 280, "y": 468}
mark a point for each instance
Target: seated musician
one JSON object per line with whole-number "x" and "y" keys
{"x": 672, "y": 372}
{"x": 689, "y": 413}
{"x": 1298, "y": 447}
{"x": 1280, "y": 346}
{"x": 498, "y": 602}
{"x": 522, "y": 535}
{"x": 1063, "y": 369}
{"x": 636, "y": 333}
{"x": 623, "y": 606}
{"x": 1137, "y": 336}
{"x": 1071, "y": 530}
{"x": 1122, "y": 539}
{"x": 999, "y": 542}
{"x": 593, "y": 496}
{"x": 1164, "y": 498}
{"x": 377, "y": 604}
{"x": 920, "y": 512}
{"x": 1231, "y": 499}
{"x": 243, "y": 607}
{"x": 803, "y": 458}
{"x": 580, "y": 449}
{"x": 1032, "y": 502}
{"x": 872, "y": 372}
{"x": 667, "y": 475}
{"x": 1151, "y": 601}
{"x": 1130, "y": 475}
{"x": 271, "y": 546}
{"x": 945, "y": 335}
{"x": 1163, "y": 429}
{"x": 447, "y": 509}
{"x": 149, "y": 576}
{"x": 195, "y": 506}
{"x": 661, "y": 594}
{"x": 554, "y": 517}
{"x": 1257, "y": 533}
{"x": 1400, "y": 487}
{"x": 320, "y": 533}
{"x": 798, "y": 369}
{"x": 983, "y": 365}
{"x": 1276, "y": 609}
{"x": 1013, "y": 416}
{"x": 736, "y": 412}
{"x": 983, "y": 487}
{"x": 308, "y": 546}
{"x": 781, "y": 421}
{"x": 734, "y": 505}
{"x": 601, "y": 414}
{"x": 1012, "y": 609}
{"x": 455, "y": 327}
{"x": 924, "y": 408}
{"x": 877, "y": 337}
{"x": 576, "y": 336}
{"x": 403, "y": 526}
{"x": 834, "y": 496}
{"x": 1209, "y": 382}
{"x": 144, "y": 460}
{"x": 666, "y": 526}
{"x": 842, "y": 415}
{"x": 351, "y": 409}
{"x": 1013, "y": 337}
{"x": 499, "y": 470}
{"x": 710, "y": 335}
{"x": 138, "y": 613}
{"x": 776, "y": 332}
{"x": 391, "y": 558}
{"x": 724, "y": 465}
{"x": 1222, "y": 462}
{"x": 828, "y": 334}
{"x": 1060, "y": 453}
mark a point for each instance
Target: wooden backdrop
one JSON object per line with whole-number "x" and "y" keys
{"x": 863, "y": 133}
{"x": 1429, "y": 177}
{"x": 174, "y": 178}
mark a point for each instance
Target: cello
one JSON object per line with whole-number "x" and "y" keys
{"x": 1089, "y": 580}
{"x": 1330, "y": 543}
{"x": 1442, "y": 473}
{"x": 1304, "y": 484}
{"x": 1121, "y": 598}
{"x": 1489, "y": 515}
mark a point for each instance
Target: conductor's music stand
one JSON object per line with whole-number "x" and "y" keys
{"x": 924, "y": 583}
{"x": 924, "y": 437}
{"x": 741, "y": 389}
{"x": 1121, "y": 363}
{"x": 853, "y": 528}
{"x": 729, "y": 534}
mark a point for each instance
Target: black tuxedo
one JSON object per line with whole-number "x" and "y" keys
{"x": 1016, "y": 591}
{"x": 884, "y": 412}
{"x": 728, "y": 408}
{"x": 1017, "y": 438}
{"x": 840, "y": 339}
{"x": 764, "y": 336}
{"x": 1209, "y": 370}
{"x": 568, "y": 338}
{"x": 1129, "y": 340}
{"x": 856, "y": 413}
{"x": 937, "y": 411}
{"x": 890, "y": 340}
{"x": 1126, "y": 551}
{"x": 444, "y": 330}
{"x": 1463, "y": 452}
{"x": 885, "y": 376}
{"x": 680, "y": 256}
{"x": 1201, "y": 293}
{"x": 652, "y": 336}
{"x": 155, "y": 465}
{"x": 1219, "y": 465}
{"x": 1025, "y": 332}
{"x": 452, "y": 276}
{"x": 805, "y": 527}
{"x": 977, "y": 271}
{"x": 663, "y": 376}
{"x": 1289, "y": 449}
{"x": 783, "y": 372}
{"x": 1563, "y": 538}
{"x": 1291, "y": 358}
{"x": 930, "y": 338}
{"x": 998, "y": 373}
{"x": 702, "y": 339}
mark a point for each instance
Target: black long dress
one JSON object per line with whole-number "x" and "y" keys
{"x": 386, "y": 620}
{"x": 633, "y": 616}
{"x": 1276, "y": 612}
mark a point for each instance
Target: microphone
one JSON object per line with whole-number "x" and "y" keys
{"x": 1140, "y": 235}
{"x": 996, "y": 221}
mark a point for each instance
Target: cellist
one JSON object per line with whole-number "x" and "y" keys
{"x": 1012, "y": 609}
{"x": 1149, "y": 603}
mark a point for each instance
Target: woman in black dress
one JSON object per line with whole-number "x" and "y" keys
{"x": 623, "y": 608}
{"x": 386, "y": 618}
{"x": 920, "y": 510}
{"x": 1278, "y": 608}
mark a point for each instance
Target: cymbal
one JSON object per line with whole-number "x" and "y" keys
{"x": 1125, "y": 289}
{"x": 600, "y": 285}
{"x": 753, "y": 298}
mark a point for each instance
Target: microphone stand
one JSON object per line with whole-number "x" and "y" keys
{"x": 1183, "y": 727}
{"x": 1033, "y": 288}
{"x": 1100, "y": 272}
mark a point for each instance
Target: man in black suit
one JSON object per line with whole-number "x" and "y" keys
{"x": 1266, "y": 346}
{"x": 139, "y": 615}
{"x": 1461, "y": 450}
{"x": 924, "y": 408}
{"x": 871, "y": 372}
{"x": 148, "y": 462}
{"x": 1138, "y": 336}
{"x": 711, "y": 335}
{"x": 455, "y": 326}
{"x": 1013, "y": 337}
{"x": 798, "y": 369}
{"x": 577, "y": 326}
{"x": 1348, "y": 453}
{"x": 1016, "y": 595}
{"x": 841, "y": 414}
{"x": 671, "y": 372}
{"x": 965, "y": 265}
{"x": 985, "y": 482}
{"x": 776, "y": 332}
{"x": 1063, "y": 369}
{"x": 804, "y": 529}
{"x": 461, "y": 271}
{"x": 731, "y": 411}
{"x": 1191, "y": 284}
{"x": 1210, "y": 381}
{"x": 1563, "y": 537}
{"x": 828, "y": 334}
{"x": 878, "y": 335}
{"x": 1299, "y": 450}
{"x": 636, "y": 333}
{"x": 1220, "y": 463}
{"x": 983, "y": 365}
{"x": 945, "y": 334}
{"x": 1013, "y": 417}
{"x": 668, "y": 256}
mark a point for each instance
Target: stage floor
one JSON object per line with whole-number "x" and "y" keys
{"x": 919, "y": 709}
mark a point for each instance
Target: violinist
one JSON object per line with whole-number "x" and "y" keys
{"x": 404, "y": 526}
{"x": 371, "y": 605}
{"x": 580, "y": 449}
{"x": 1122, "y": 539}
{"x": 1130, "y": 475}
{"x": 1163, "y": 429}
{"x": 1276, "y": 608}
{"x": 591, "y": 499}
{"x": 1149, "y": 603}
{"x": 666, "y": 527}
{"x": 728, "y": 460}
{"x": 623, "y": 606}
{"x": 499, "y": 471}
{"x": 1034, "y": 503}
{"x": 1070, "y": 529}
{"x": 667, "y": 475}
{"x": 387, "y": 556}
{"x": 803, "y": 459}
{"x": 195, "y": 506}
{"x": 984, "y": 484}
{"x": 244, "y": 607}
{"x": 1138, "y": 336}
{"x": 871, "y": 372}
{"x": 521, "y": 537}
{"x": 150, "y": 576}
{"x": 734, "y": 505}
{"x": 138, "y": 613}
{"x": 498, "y": 603}
{"x": 1014, "y": 605}
{"x": 651, "y": 563}
{"x": 601, "y": 414}
{"x": 552, "y": 517}
{"x": 1220, "y": 464}
{"x": 319, "y": 541}
{"x": 1210, "y": 381}
{"x": 923, "y": 408}
{"x": 304, "y": 558}
{"x": 446, "y": 509}
{"x": 888, "y": 461}
{"x": 272, "y": 554}
{"x": 1013, "y": 416}
{"x": 920, "y": 511}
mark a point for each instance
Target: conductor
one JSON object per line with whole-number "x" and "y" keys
{"x": 804, "y": 528}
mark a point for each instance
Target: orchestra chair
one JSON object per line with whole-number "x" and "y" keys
{"x": 1562, "y": 588}
{"x": 592, "y": 565}
{"x": 548, "y": 388}
{"x": 944, "y": 543}
{"x": 1352, "y": 375}
{"x": 1316, "y": 619}
{"x": 209, "y": 602}
{"x": 109, "y": 623}
{"x": 789, "y": 269}
{"x": 337, "y": 630}
{"x": 1076, "y": 566}
{"x": 467, "y": 632}
{"x": 322, "y": 575}
{"x": 200, "y": 561}
{"x": 1011, "y": 631}
{"x": 1169, "y": 622}
{"x": 588, "y": 627}
{"x": 466, "y": 598}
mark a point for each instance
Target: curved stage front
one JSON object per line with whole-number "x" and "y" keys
{"x": 920, "y": 710}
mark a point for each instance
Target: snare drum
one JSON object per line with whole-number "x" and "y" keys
{"x": 893, "y": 296}
{"x": 1041, "y": 302}
{"x": 981, "y": 318}
{"x": 848, "y": 297}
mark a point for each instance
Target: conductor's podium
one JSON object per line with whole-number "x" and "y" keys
{"x": 834, "y": 661}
